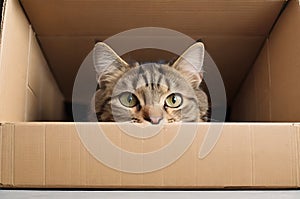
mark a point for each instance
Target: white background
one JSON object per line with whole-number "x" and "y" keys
{"x": 11, "y": 194}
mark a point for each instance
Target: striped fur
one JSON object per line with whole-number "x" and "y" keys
{"x": 151, "y": 83}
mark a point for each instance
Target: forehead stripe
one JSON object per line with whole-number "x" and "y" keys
{"x": 145, "y": 79}
{"x": 159, "y": 80}
{"x": 168, "y": 83}
{"x": 134, "y": 82}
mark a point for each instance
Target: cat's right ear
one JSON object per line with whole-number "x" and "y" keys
{"x": 106, "y": 60}
{"x": 190, "y": 63}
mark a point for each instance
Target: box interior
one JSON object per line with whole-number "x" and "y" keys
{"x": 254, "y": 43}
{"x": 249, "y": 42}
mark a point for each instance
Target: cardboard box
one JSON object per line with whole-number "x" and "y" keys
{"x": 28, "y": 90}
{"x": 246, "y": 156}
{"x": 271, "y": 89}
{"x": 254, "y": 43}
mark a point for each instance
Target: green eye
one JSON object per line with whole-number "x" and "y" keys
{"x": 128, "y": 99}
{"x": 174, "y": 100}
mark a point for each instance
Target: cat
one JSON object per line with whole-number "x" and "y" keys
{"x": 150, "y": 92}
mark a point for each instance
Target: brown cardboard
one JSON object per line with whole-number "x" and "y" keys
{"x": 15, "y": 32}
{"x": 27, "y": 85}
{"x": 29, "y": 149}
{"x": 263, "y": 148}
{"x": 67, "y": 30}
{"x": 7, "y": 164}
{"x": 32, "y": 111}
{"x": 287, "y": 28}
{"x": 253, "y": 102}
{"x": 298, "y": 151}
{"x": 235, "y": 59}
{"x": 1, "y": 153}
{"x": 245, "y": 156}
{"x": 272, "y": 85}
{"x": 89, "y": 18}
{"x": 66, "y": 54}
{"x": 42, "y": 90}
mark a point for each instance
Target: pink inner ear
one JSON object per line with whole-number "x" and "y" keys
{"x": 194, "y": 78}
{"x": 106, "y": 59}
{"x": 191, "y": 60}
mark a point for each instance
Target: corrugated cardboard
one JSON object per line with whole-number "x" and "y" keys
{"x": 1, "y": 153}
{"x": 68, "y": 29}
{"x": 287, "y": 28}
{"x": 253, "y": 100}
{"x": 271, "y": 91}
{"x": 82, "y": 18}
{"x": 246, "y": 156}
{"x": 27, "y": 86}
{"x": 13, "y": 62}
{"x": 7, "y": 137}
{"x": 67, "y": 53}
{"x": 32, "y": 106}
{"x": 42, "y": 90}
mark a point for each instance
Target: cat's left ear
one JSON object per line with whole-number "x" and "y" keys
{"x": 190, "y": 63}
{"x": 106, "y": 61}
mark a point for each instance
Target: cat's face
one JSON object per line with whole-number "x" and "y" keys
{"x": 149, "y": 93}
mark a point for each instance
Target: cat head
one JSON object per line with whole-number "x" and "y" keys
{"x": 149, "y": 92}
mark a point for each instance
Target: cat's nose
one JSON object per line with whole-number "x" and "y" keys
{"x": 155, "y": 120}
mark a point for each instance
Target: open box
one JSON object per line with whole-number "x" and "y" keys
{"x": 255, "y": 44}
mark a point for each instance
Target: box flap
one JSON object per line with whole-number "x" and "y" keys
{"x": 14, "y": 43}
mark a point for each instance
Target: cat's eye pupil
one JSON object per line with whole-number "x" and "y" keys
{"x": 174, "y": 99}
{"x": 128, "y": 99}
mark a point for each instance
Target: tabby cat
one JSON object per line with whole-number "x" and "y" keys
{"x": 150, "y": 92}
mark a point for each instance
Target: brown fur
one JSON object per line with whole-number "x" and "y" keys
{"x": 151, "y": 83}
